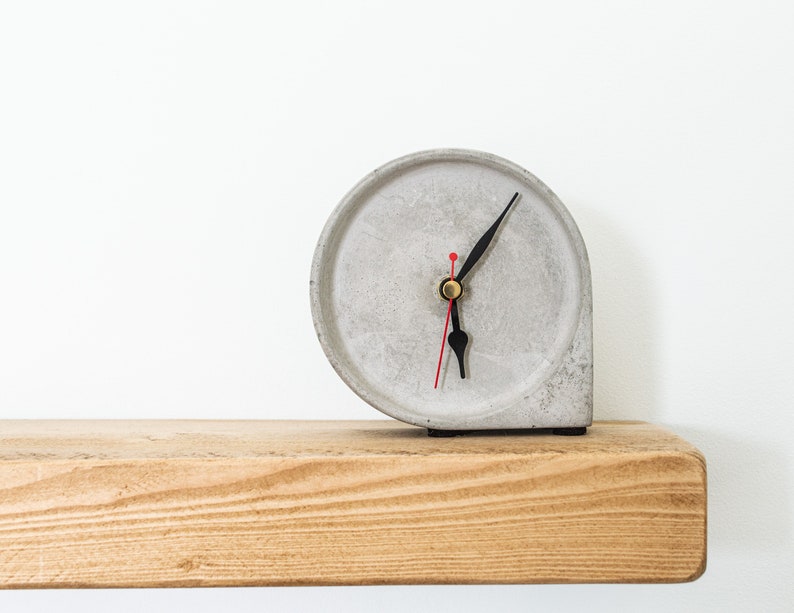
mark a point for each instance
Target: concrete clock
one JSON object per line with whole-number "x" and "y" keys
{"x": 450, "y": 289}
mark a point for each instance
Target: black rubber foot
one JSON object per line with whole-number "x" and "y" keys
{"x": 578, "y": 431}
{"x": 445, "y": 433}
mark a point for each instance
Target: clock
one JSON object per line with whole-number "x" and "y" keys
{"x": 450, "y": 289}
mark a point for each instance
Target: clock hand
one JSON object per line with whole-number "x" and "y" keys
{"x": 458, "y": 339}
{"x": 482, "y": 244}
{"x": 452, "y": 256}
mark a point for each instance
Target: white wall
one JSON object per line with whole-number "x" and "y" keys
{"x": 166, "y": 167}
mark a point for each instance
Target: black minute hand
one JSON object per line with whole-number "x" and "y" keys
{"x": 482, "y": 244}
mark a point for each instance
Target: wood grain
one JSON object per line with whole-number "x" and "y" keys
{"x": 231, "y": 503}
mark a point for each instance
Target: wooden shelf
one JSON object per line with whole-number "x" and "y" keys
{"x": 233, "y": 503}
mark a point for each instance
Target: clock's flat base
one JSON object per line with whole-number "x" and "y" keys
{"x": 232, "y": 503}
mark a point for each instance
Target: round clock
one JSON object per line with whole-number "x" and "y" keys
{"x": 450, "y": 289}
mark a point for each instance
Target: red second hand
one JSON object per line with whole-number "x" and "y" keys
{"x": 452, "y": 256}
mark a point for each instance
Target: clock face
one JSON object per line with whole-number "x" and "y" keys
{"x": 525, "y": 307}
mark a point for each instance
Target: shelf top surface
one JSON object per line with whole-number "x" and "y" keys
{"x": 57, "y": 440}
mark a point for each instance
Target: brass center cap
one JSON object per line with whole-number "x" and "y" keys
{"x": 451, "y": 290}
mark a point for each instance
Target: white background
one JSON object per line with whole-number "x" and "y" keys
{"x": 166, "y": 167}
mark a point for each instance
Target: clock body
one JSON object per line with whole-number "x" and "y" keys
{"x": 526, "y": 306}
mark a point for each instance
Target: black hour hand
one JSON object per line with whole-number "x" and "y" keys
{"x": 458, "y": 339}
